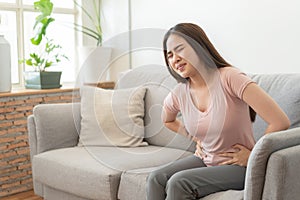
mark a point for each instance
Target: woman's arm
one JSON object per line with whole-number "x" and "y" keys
{"x": 171, "y": 122}
{"x": 266, "y": 108}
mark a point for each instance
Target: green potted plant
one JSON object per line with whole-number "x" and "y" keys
{"x": 49, "y": 55}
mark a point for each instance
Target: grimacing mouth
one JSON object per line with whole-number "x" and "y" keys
{"x": 178, "y": 66}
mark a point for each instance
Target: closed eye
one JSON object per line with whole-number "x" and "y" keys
{"x": 169, "y": 55}
{"x": 179, "y": 48}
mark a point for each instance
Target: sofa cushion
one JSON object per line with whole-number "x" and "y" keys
{"x": 73, "y": 170}
{"x": 133, "y": 184}
{"x": 112, "y": 117}
{"x": 266, "y": 145}
{"x": 285, "y": 90}
{"x": 94, "y": 172}
{"x": 135, "y": 158}
{"x": 159, "y": 83}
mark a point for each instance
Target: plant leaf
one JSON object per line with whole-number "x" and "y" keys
{"x": 97, "y": 35}
{"x": 41, "y": 31}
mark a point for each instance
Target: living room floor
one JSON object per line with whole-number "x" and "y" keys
{"x": 23, "y": 196}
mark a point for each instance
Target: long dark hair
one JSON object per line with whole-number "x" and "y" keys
{"x": 196, "y": 37}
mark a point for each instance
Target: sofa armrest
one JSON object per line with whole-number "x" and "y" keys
{"x": 282, "y": 175}
{"x": 257, "y": 163}
{"x": 53, "y": 126}
{"x": 32, "y": 136}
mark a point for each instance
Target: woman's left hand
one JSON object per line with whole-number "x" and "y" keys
{"x": 237, "y": 158}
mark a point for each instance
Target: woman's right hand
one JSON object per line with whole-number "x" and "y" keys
{"x": 199, "y": 149}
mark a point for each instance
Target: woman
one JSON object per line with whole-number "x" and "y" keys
{"x": 217, "y": 103}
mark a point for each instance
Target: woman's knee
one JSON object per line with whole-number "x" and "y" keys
{"x": 179, "y": 187}
{"x": 176, "y": 181}
{"x": 157, "y": 177}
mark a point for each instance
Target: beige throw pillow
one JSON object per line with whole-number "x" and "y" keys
{"x": 112, "y": 117}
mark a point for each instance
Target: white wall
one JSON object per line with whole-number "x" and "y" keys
{"x": 116, "y": 35}
{"x": 257, "y": 36}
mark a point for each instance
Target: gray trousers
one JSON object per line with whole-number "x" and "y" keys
{"x": 190, "y": 178}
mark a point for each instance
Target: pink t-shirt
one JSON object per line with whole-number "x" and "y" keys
{"x": 226, "y": 121}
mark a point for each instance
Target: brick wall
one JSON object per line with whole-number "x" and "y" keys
{"x": 15, "y": 166}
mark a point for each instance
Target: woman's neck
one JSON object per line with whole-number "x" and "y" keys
{"x": 197, "y": 82}
{"x": 205, "y": 79}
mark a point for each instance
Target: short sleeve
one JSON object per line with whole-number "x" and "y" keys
{"x": 171, "y": 103}
{"x": 236, "y": 81}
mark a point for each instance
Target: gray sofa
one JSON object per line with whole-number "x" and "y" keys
{"x": 62, "y": 170}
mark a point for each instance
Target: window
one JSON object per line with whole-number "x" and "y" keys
{"x": 16, "y": 24}
{"x": 58, "y": 3}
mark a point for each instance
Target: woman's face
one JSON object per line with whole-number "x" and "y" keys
{"x": 181, "y": 56}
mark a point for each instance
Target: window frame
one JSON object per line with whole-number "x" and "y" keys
{"x": 19, "y": 8}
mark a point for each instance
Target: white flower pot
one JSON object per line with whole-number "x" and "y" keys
{"x": 5, "y": 65}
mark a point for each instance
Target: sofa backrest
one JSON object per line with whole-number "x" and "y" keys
{"x": 158, "y": 83}
{"x": 284, "y": 88}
